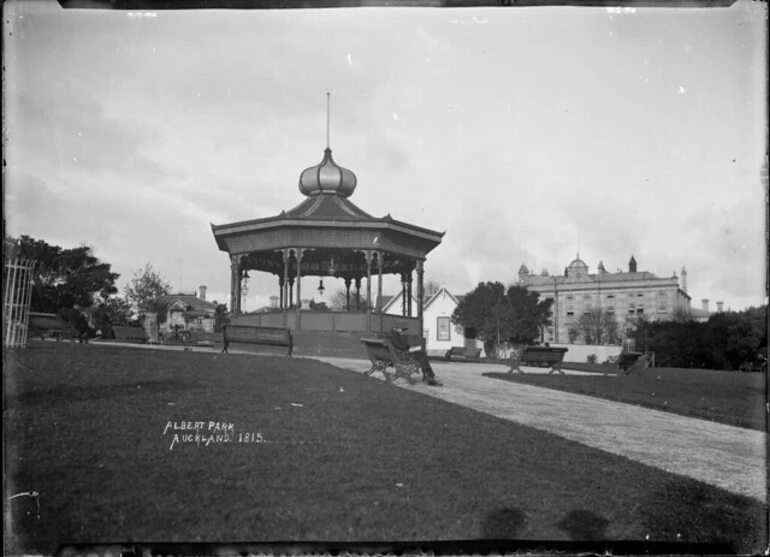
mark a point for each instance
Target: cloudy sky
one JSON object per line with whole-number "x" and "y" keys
{"x": 525, "y": 133}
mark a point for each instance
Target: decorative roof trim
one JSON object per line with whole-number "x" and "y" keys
{"x": 375, "y": 224}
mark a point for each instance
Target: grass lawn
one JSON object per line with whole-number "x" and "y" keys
{"x": 726, "y": 397}
{"x": 342, "y": 457}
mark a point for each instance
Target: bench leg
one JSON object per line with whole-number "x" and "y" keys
{"x": 379, "y": 365}
{"x": 224, "y": 348}
{"x": 405, "y": 371}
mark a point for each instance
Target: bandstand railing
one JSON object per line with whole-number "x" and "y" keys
{"x": 331, "y": 321}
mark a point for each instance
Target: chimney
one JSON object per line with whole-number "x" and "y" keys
{"x": 705, "y": 303}
{"x": 203, "y": 293}
{"x": 684, "y": 279}
{"x": 632, "y": 265}
{"x": 273, "y": 301}
{"x": 720, "y": 306}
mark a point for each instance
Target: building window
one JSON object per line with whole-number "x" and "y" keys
{"x": 631, "y": 307}
{"x": 610, "y": 309}
{"x": 443, "y": 329}
{"x": 639, "y": 311}
{"x": 587, "y": 308}
{"x": 569, "y": 298}
{"x": 586, "y": 296}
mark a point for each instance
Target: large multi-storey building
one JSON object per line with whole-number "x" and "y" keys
{"x": 624, "y": 294}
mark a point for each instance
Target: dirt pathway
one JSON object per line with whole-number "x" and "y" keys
{"x": 725, "y": 456}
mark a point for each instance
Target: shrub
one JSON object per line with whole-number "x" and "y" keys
{"x": 592, "y": 359}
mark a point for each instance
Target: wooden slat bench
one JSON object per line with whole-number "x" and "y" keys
{"x": 537, "y": 355}
{"x": 383, "y": 355}
{"x": 130, "y": 334}
{"x": 50, "y": 325}
{"x": 252, "y": 334}
{"x": 626, "y": 360}
{"x": 462, "y": 353}
{"x": 635, "y": 362}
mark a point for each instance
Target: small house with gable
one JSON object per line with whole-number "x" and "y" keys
{"x": 439, "y": 332}
{"x": 189, "y": 311}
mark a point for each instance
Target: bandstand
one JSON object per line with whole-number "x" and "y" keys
{"x": 327, "y": 237}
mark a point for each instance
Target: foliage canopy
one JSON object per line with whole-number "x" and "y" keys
{"x": 495, "y": 315}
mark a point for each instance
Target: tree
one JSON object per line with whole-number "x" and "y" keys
{"x": 495, "y": 315}
{"x": 145, "y": 291}
{"x": 598, "y": 326}
{"x": 530, "y": 314}
{"x": 317, "y": 306}
{"x": 64, "y": 278}
{"x": 112, "y": 312}
{"x": 221, "y": 316}
{"x": 431, "y": 288}
{"x": 338, "y": 301}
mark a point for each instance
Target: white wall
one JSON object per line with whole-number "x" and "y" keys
{"x": 442, "y": 306}
{"x": 580, "y": 352}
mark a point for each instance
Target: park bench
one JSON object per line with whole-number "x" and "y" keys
{"x": 463, "y": 353}
{"x": 252, "y": 334}
{"x": 50, "y": 325}
{"x": 537, "y": 355}
{"x": 631, "y": 362}
{"x": 130, "y": 334}
{"x": 627, "y": 359}
{"x": 383, "y": 355}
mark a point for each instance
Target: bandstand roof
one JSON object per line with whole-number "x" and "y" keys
{"x": 326, "y": 222}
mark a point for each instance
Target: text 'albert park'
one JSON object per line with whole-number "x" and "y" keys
{"x": 203, "y": 433}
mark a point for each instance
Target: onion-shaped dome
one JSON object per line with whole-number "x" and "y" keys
{"x": 327, "y": 177}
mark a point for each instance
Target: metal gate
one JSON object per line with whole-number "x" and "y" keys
{"x": 17, "y": 295}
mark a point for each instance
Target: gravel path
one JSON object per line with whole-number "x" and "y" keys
{"x": 729, "y": 457}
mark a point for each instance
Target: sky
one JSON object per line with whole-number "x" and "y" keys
{"x": 527, "y": 134}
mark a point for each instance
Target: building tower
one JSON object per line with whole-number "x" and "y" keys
{"x": 632, "y": 265}
{"x": 684, "y": 280}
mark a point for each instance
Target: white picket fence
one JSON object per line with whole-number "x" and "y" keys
{"x": 17, "y": 295}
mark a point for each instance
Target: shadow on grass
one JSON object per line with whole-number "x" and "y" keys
{"x": 503, "y": 523}
{"x": 66, "y": 394}
{"x": 583, "y": 525}
{"x": 690, "y": 511}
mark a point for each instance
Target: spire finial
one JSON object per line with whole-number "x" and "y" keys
{"x": 328, "y": 117}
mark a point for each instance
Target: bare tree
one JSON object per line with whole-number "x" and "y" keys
{"x": 145, "y": 290}
{"x": 598, "y": 326}
{"x": 431, "y": 287}
{"x": 339, "y": 300}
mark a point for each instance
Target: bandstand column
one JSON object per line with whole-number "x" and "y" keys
{"x": 368, "y": 255}
{"x": 286, "y": 255}
{"x": 347, "y": 293}
{"x": 403, "y": 294}
{"x": 298, "y": 255}
{"x": 358, "y": 294}
{"x": 235, "y": 284}
{"x": 380, "y": 257}
{"x": 291, "y": 292}
{"x": 409, "y": 294}
{"x": 420, "y": 294}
